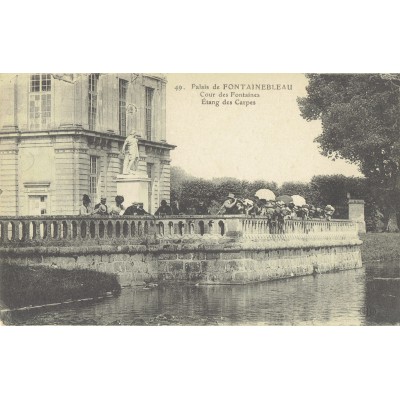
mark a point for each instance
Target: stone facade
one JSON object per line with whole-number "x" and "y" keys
{"x": 61, "y": 136}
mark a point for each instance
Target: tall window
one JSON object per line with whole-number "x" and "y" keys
{"x": 149, "y": 111}
{"x": 92, "y": 103}
{"x": 123, "y": 88}
{"x": 40, "y": 101}
{"x": 93, "y": 176}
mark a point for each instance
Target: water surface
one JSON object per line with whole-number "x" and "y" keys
{"x": 366, "y": 296}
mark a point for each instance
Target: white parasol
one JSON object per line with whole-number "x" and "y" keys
{"x": 298, "y": 201}
{"x": 265, "y": 194}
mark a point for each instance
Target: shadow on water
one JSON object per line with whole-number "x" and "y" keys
{"x": 367, "y": 296}
{"x": 383, "y": 294}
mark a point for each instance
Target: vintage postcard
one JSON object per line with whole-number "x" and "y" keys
{"x": 199, "y": 199}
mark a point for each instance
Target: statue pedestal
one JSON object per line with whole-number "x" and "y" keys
{"x": 135, "y": 188}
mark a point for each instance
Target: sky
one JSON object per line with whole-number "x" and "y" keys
{"x": 268, "y": 140}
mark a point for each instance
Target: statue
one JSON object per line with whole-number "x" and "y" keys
{"x": 130, "y": 148}
{"x": 131, "y": 110}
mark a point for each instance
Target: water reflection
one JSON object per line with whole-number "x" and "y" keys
{"x": 367, "y": 296}
{"x": 383, "y": 294}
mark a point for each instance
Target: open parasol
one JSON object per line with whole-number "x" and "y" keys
{"x": 285, "y": 198}
{"x": 265, "y": 194}
{"x": 298, "y": 201}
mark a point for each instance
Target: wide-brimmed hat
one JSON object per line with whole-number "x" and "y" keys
{"x": 329, "y": 208}
{"x": 230, "y": 196}
{"x": 103, "y": 208}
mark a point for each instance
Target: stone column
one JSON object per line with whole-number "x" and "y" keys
{"x": 356, "y": 213}
{"x": 8, "y": 104}
{"x": 9, "y": 177}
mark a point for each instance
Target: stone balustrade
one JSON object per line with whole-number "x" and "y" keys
{"x": 195, "y": 249}
{"x": 64, "y": 230}
{"x": 260, "y": 227}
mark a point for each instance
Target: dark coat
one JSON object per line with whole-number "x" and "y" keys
{"x": 164, "y": 210}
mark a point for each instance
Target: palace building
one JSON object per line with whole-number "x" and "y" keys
{"x": 61, "y": 137}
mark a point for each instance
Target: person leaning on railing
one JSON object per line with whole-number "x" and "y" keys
{"x": 201, "y": 209}
{"x": 118, "y": 208}
{"x": 163, "y": 210}
{"x": 230, "y": 205}
{"x": 329, "y": 210}
{"x": 85, "y": 208}
{"x": 136, "y": 209}
{"x": 101, "y": 208}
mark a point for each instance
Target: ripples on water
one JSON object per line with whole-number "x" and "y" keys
{"x": 367, "y": 296}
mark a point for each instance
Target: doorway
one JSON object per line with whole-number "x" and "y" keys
{"x": 38, "y": 204}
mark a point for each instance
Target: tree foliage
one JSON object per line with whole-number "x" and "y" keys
{"x": 360, "y": 123}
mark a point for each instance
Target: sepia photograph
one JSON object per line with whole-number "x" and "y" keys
{"x": 199, "y": 200}
{"x": 152, "y": 199}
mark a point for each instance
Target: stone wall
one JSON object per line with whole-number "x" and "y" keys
{"x": 194, "y": 250}
{"x": 209, "y": 264}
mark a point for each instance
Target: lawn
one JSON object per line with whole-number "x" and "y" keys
{"x": 380, "y": 246}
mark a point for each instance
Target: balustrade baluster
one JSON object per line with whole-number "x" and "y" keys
{"x": 133, "y": 229}
{"x": 25, "y": 231}
{"x": 78, "y": 230}
{"x": 48, "y": 230}
{"x": 211, "y": 227}
{"x": 60, "y": 230}
{"x": 161, "y": 228}
{"x": 17, "y": 231}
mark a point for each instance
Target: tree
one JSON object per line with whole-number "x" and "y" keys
{"x": 178, "y": 177}
{"x": 360, "y": 115}
{"x": 194, "y": 191}
{"x": 299, "y": 188}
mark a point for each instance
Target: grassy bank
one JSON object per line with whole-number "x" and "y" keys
{"x": 24, "y": 286}
{"x": 380, "y": 246}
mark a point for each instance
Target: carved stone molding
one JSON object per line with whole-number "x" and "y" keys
{"x": 9, "y": 152}
{"x": 82, "y": 151}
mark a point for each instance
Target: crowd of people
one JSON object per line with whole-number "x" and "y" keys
{"x": 118, "y": 208}
{"x": 276, "y": 211}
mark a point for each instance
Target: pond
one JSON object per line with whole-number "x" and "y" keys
{"x": 366, "y": 296}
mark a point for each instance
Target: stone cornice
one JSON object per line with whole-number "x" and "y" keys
{"x": 79, "y": 131}
{"x": 160, "y": 145}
